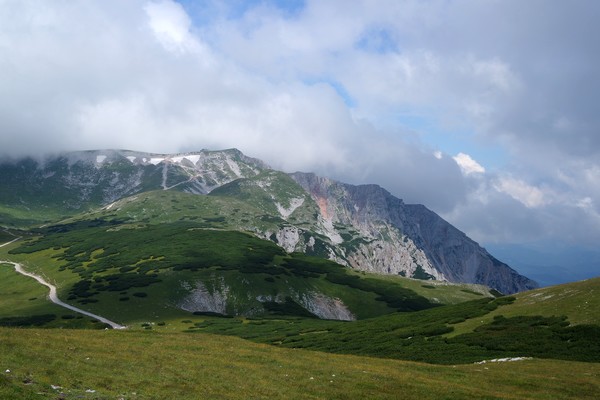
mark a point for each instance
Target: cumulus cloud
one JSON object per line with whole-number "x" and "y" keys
{"x": 170, "y": 24}
{"x": 468, "y": 165}
{"x": 530, "y": 196}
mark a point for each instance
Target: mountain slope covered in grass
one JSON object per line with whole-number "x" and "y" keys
{"x": 162, "y": 275}
{"x": 134, "y": 271}
{"x": 461, "y": 333}
{"x": 216, "y": 243}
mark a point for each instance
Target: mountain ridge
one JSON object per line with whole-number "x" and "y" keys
{"x": 362, "y": 226}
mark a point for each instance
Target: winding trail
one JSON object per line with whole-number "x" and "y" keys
{"x": 54, "y": 297}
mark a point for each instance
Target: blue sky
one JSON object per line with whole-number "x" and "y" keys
{"x": 484, "y": 111}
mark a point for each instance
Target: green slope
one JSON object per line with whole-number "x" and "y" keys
{"x": 132, "y": 272}
{"x": 141, "y": 275}
{"x": 159, "y": 233}
{"x": 421, "y": 336}
{"x": 160, "y": 365}
{"x": 155, "y": 260}
{"x": 578, "y": 301}
{"x": 23, "y": 302}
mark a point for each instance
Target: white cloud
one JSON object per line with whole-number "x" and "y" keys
{"x": 529, "y": 195}
{"x": 170, "y": 24}
{"x": 467, "y": 165}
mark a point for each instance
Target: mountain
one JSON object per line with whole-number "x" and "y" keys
{"x": 363, "y": 227}
{"x": 77, "y": 181}
{"x": 407, "y": 238}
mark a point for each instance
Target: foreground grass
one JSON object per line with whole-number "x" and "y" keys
{"x": 159, "y": 365}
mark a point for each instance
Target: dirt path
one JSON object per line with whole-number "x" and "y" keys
{"x": 53, "y": 296}
{"x": 7, "y": 243}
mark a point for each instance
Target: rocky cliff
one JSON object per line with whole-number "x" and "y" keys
{"x": 405, "y": 239}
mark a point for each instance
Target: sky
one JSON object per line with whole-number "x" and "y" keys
{"x": 486, "y": 111}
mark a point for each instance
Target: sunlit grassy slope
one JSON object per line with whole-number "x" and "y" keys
{"x": 23, "y": 302}
{"x": 154, "y": 365}
{"x": 579, "y": 301}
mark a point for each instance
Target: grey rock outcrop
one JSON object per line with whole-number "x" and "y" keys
{"x": 406, "y": 239}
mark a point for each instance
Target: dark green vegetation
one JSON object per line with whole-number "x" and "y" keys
{"x": 100, "y": 257}
{"x": 23, "y": 302}
{"x": 5, "y": 237}
{"x": 178, "y": 268}
{"x": 189, "y": 276}
{"x": 130, "y": 271}
{"x": 419, "y": 336}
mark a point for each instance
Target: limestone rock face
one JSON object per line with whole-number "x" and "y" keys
{"x": 325, "y": 307}
{"x": 405, "y": 239}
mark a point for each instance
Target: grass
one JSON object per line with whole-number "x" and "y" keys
{"x": 419, "y": 336}
{"x": 580, "y": 301}
{"x": 24, "y": 302}
{"x": 159, "y": 365}
{"x": 439, "y": 291}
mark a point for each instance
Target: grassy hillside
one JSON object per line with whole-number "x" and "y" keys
{"x": 579, "y": 301}
{"x": 150, "y": 276}
{"x": 160, "y": 365}
{"x": 419, "y": 336}
{"x": 23, "y": 302}
{"x": 134, "y": 272}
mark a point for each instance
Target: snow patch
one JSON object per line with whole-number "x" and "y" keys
{"x": 156, "y": 160}
{"x": 193, "y": 158}
{"x": 132, "y": 158}
{"x": 100, "y": 159}
{"x": 507, "y": 359}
